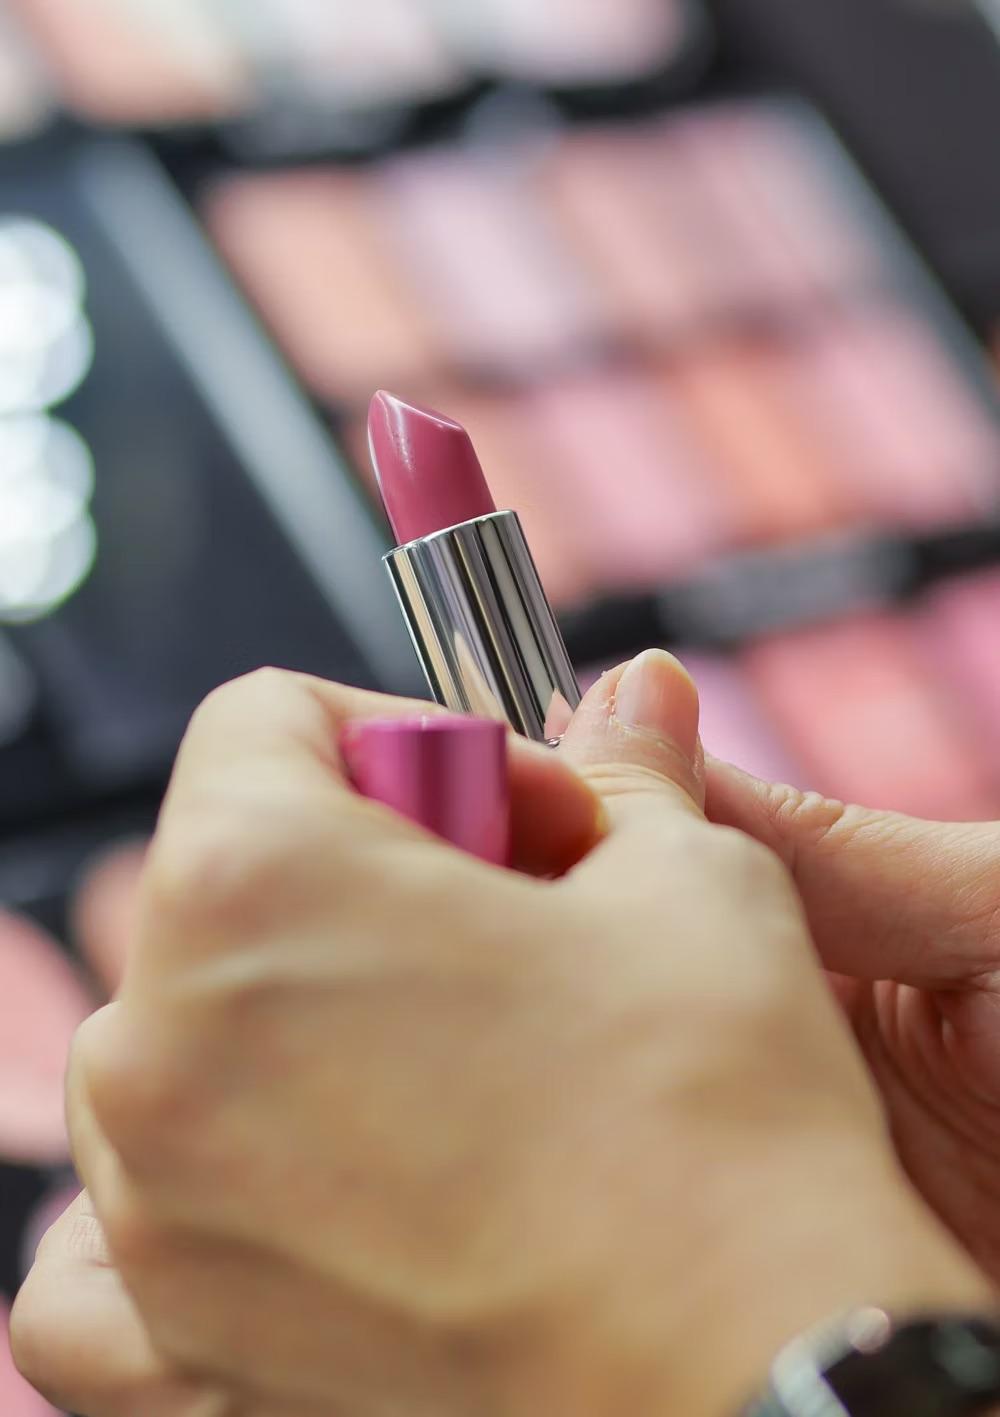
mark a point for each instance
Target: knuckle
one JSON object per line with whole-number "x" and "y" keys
{"x": 209, "y": 871}
{"x": 231, "y": 698}
{"x": 809, "y": 817}
{"x": 616, "y": 781}
{"x": 154, "y": 1103}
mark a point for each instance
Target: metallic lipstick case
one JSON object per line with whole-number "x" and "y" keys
{"x": 482, "y": 626}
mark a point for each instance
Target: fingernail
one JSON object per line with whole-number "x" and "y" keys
{"x": 656, "y": 695}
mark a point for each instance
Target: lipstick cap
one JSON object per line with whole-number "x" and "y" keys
{"x": 447, "y": 774}
{"x": 482, "y": 626}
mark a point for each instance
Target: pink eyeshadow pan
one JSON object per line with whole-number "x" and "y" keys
{"x": 734, "y": 728}
{"x": 776, "y": 277}
{"x": 914, "y": 445}
{"x": 642, "y": 501}
{"x": 500, "y": 287}
{"x": 683, "y": 212}
{"x": 797, "y": 194}
{"x": 306, "y": 247}
{"x": 739, "y": 401}
{"x": 17, "y": 1399}
{"x": 962, "y": 624}
{"x": 858, "y": 706}
{"x": 593, "y": 185}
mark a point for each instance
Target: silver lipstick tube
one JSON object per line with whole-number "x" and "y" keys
{"x": 482, "y": 626}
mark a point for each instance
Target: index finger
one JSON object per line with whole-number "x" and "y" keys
{"x": 261, "y": 759}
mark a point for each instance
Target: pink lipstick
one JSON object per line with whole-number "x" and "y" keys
{"x": 427, "y": 469}
{"x": 447, "y": 774}
{"x": 464, "y": 576}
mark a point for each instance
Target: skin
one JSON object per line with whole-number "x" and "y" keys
{"x": 531, "y": 1144}
{"x": 906, "y": 916}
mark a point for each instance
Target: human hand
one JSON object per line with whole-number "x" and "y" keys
{"x": 906, "y": 914}
{"x": 374, "y": 1127}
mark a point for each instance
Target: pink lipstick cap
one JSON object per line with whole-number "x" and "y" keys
{"x": 447, "y": 774}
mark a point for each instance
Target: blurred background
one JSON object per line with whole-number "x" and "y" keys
{"x": 715, "y": 286}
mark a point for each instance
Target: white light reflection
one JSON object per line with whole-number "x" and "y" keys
{"x": 37, "y": 575}
{"x": 48, "y": 541}
{"x": 46, "y": 343}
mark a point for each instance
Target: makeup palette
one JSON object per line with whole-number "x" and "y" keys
{"x": 672, "y": 341}
{"x": 684, "y": 273}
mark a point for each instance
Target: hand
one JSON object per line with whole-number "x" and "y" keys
{"x": 907, "y": 914}
{"x": 374, "y": 1128}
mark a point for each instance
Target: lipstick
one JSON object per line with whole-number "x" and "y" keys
{"x": 464, "y": 576}
{"x": 447, "y": 774}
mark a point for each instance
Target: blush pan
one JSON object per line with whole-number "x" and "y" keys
{"x": 639, "y": 493}
{"x": 310, "y": 253}
{"x": 501, "y": 289}
{"x": 858, "y": 706}
{"x": 793, "y": 174}
{"x": 776, "y": 279}
{"x": 734, "y": 727}
{"x": 913, "y": 443}
{"x": 962, "y": 624}
{"x": 594, "y": 185}
{"x": 739, "y": 399}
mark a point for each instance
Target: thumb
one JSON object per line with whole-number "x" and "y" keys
{"x": 887, "y": 896}
{"x": 635, "y": 740}
{"x": 636, "y": 734}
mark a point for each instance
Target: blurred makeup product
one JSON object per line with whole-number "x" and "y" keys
{"x": 863, "y": 709}
{"x": 42, "y": 1002}
{"x": 133, "y": 61}
{"x": 104, "y": 910}
{"x": 734, "y": 726}
{"x": 26, "y": 95}
{"x": 297, "y": 70}
{"x": 468, "y": 588}
{"x": 962, "y": 628}
{"x": 446, "y": 774}
{"x": 698, "y": 334}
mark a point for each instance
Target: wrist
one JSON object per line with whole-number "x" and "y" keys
{"x": 699, "y": 1337}
{"x": 891, "y": 1254}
